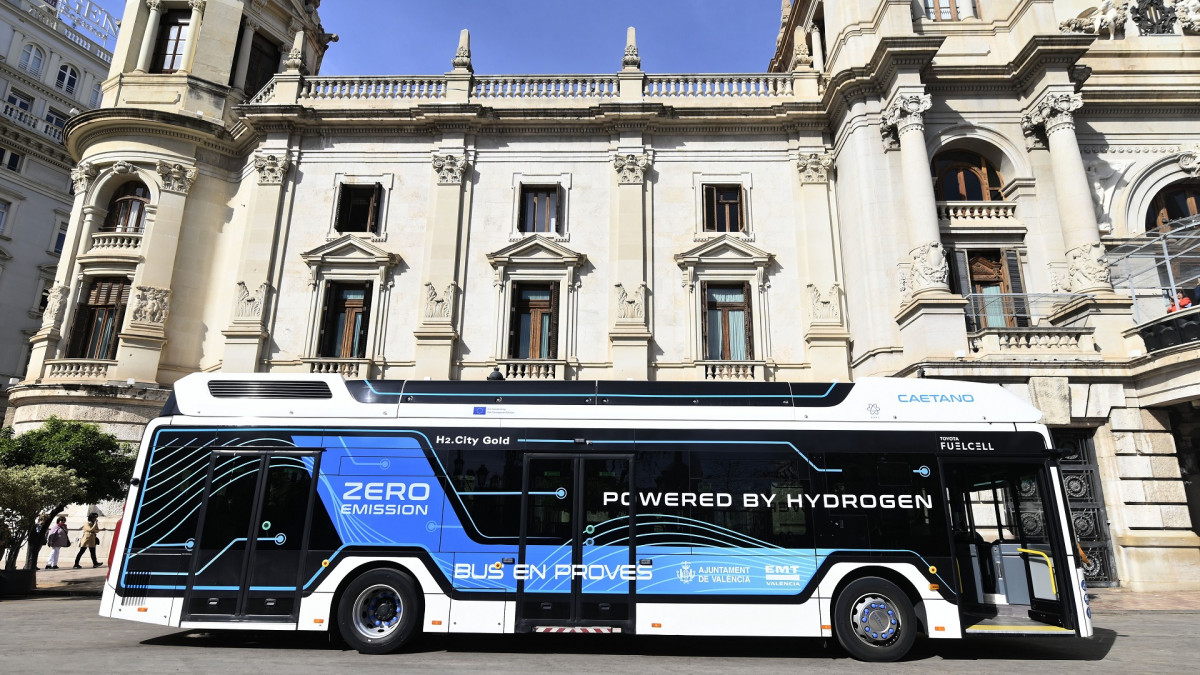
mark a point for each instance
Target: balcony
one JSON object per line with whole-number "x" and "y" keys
{"x": 964, "y": 217}
{"x": 1177, "y": 328}
{"x": 78, "y": 370}
{"x": 351, "y": 369}
{"x": 126, "y": 241}
{"x": 731, "y": 370}
{"x": 533, "y": 369}
{"x": 1013, "y": 325}
{"x": 25, "y": 119}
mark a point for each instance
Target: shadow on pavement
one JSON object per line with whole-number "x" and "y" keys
{"x": 973, "y": 649}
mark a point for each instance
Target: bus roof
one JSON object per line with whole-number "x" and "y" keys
{"x": 260, "y": 395}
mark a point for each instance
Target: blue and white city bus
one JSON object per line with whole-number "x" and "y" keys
{"x": 874, "y": 512}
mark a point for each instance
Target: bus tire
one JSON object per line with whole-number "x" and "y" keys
{"x": 874, "y": 620}
{"x": 378, "y": 611}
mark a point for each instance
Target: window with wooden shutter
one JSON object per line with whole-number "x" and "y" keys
{"x": 358, "y": 208}
{"x": 992, "y": 281}
{"x": 541, "y": 209}
{"x": 723, "y": 210}
{"x": 533, "y": 323}
{"x": 727, "y": 327}
{"x": 98, "y": 319}
{"x": 345, "y": 320}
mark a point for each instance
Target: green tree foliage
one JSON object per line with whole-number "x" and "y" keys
{"x": 25, "y": 492}
{"x": 101, "y": 464}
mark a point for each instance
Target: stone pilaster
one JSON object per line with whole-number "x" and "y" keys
{"x": 826, "y": 338}
{"x": 630, "y": 335}
{"x": 436, "y": 335}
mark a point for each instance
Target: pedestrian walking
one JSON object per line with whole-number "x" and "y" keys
{"x": 89, "y": 539}
{"x": 57, "y": 539}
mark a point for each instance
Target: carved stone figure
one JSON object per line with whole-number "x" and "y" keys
{"x": 151, "y": 305}
{"x": 176, "y": 177}
{"x": 1110, "y": 16}
{"x": 631, "y": 169}
{"x": 54, "y": 305}
{"x": 249, "y": 306}
{"x": 1104, "y": 179}
{"x": 82, "y": 176}
{"x": 1189, "y": 161}
{"x": 631, "y": 308}
{"x": 123, "y": 167}
{"x": 929, "y": 266}
{"x": 1188, "y": 14}
{"x": 815, "y": 168}
{"x": 450, "y": 169}
{"x": 439, "y": 308}
{"x": 1087, "y": 268}
{"x": 271, "y": 168}
{"x": 827, "y": 308}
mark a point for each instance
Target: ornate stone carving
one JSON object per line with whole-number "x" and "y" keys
{"x": 1054, "y": 112}
{"x": 462, "y": 56}
{"x": 439, "y": 308}
{"x": 82, "y": 176}
{"x": 1189, "y": 161}
{"x": 1087, "y": 267}
{"x": 154, "y": 4}
{"x": 197, "y": 5}
{"x": 450, "y": 169}
{"x": 151, "y": 305}
{"x": 123, "y": 167}
{"x": 247, "y": 305}
{"x": 906, "y": 113}
{"x": 815, "y": 168}
{"x": 631, "y": 60}
{"x": 929, "y": 268}
{"x": 54, "y": 305}
{"x": 631, "y": 307}
{"x": 1188, "y": 14}
{"x": 631, "y": 169}
{"x": 801, "y": 58}
{"x": 176, "y": 177}
{"x": 1104, "y": 178}
{"x": 1110, "y": 16}
{"x": 826, "y": 308}
{"x": 271, "y": 168}
{"x": 1153, "y": 17}
{"x": 294, "y": 60}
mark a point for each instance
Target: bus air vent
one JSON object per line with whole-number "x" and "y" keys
{"x": 268, "y": 389}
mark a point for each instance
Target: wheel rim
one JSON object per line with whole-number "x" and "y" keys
{"x": 377, "y": 611}
{"x": 876, "y": 620}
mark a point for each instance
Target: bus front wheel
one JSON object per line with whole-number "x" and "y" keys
{"x": 377, "y": 613}
{"x": 874, "y": 620}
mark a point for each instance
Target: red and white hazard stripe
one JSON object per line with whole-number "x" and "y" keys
{"x": 576, "y": 629}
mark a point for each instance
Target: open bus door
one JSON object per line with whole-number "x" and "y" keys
{"x": 1010, "y": 552}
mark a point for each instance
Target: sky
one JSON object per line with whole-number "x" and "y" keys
{"x": 419, "y": 37}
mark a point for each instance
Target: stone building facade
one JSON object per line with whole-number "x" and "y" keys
{"x": 49, "y": 71}
{"x": 941, "y": 188}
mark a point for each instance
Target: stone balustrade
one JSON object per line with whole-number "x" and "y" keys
{"x": 730, "y": 370}
{"x": 93, "y": 370}
{"x": 353, "y": 369}
{"x": 771, "y": 85}
{"x": 129, "y": 241}
{"x": 346, "y": 89}
{"x": 977, "y": 214}
{"x": 516, "y": 87}
{"x": 532, "y": 369}
{"x": 1035, "y": 340}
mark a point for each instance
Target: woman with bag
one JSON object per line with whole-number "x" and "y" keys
{"x": 89, "y": 539}
{"x": 57, "y": 539}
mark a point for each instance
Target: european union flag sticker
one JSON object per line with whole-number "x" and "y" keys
{"x": 479, "y": 410}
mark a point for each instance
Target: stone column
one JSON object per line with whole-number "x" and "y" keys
{"x": 630, "y": 335}
{"x": 1053, "y": 114}
{"x": 149, "y": 36}
{"x": 932, "y": 324}
{"x": 246, "y": 333}
{"x": 436, "y": 334}
{"x": 818, "y": 50}
{"x": 243, "y": 55}
{"x": 189, "y": 47}
{"x": 144, "y": 331}
{"x": 826, "y": 338}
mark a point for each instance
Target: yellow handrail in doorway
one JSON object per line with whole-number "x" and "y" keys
{"x": 1049, "y": 564}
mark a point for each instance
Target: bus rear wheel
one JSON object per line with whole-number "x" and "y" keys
{"x": 377, "y": 612}
{"x": 874, "y": 620}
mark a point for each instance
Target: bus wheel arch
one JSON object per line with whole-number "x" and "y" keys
{"x": 379, "y": 608}
{"x": 874, "y": 615}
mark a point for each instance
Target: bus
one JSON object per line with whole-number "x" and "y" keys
{"x": 875, "y": 512}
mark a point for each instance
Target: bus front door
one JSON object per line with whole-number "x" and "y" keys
{"x": 1010, "y": 552}
{"x": 576, "y": 564}
{"x": 251, "y": 537}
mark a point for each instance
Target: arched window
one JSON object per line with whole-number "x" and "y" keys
{"x": 68, "y": 77}
{"x": 127, "y": 209}
{"x": 963, "y": 176}
{"x": 31, "y": 59}
{"x": 1176, "y": 201}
